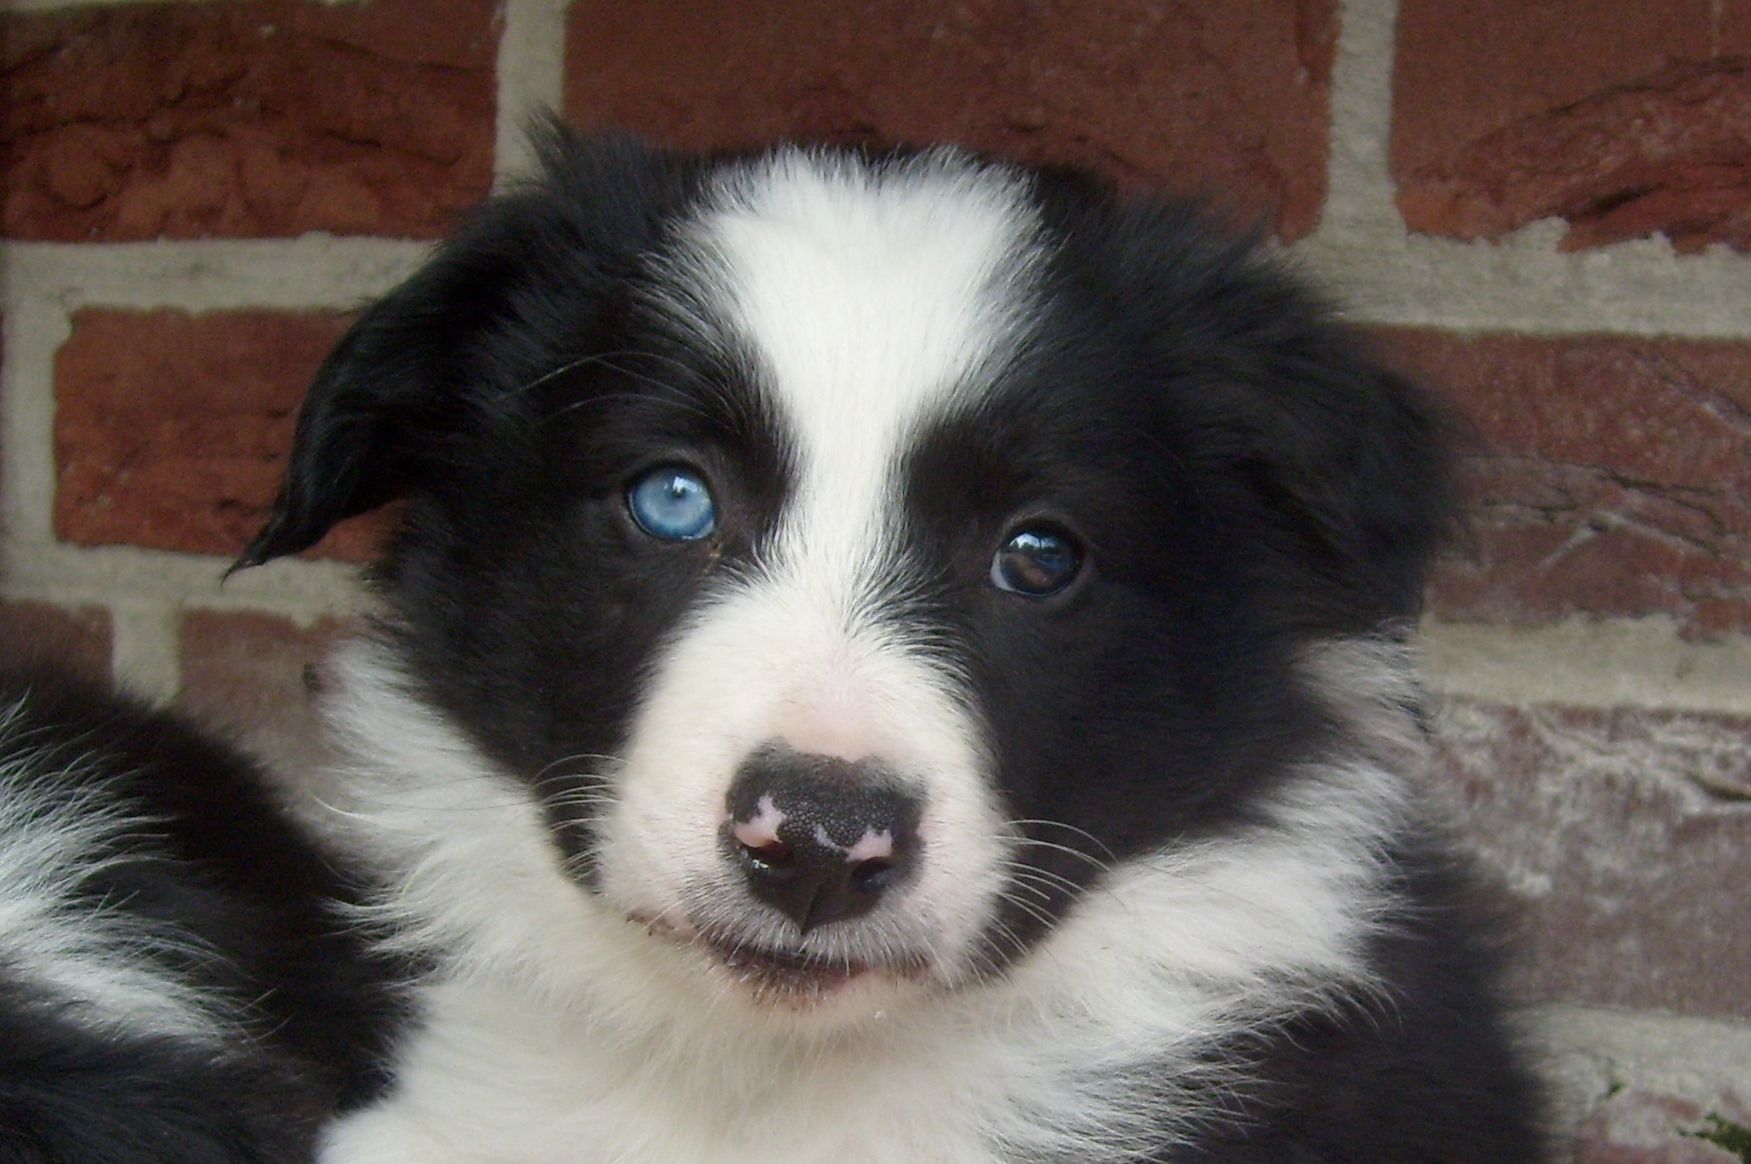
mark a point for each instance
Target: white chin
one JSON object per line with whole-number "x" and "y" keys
{"x": 789, "y": 981}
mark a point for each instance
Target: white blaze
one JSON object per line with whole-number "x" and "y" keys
{"x": 872, "y": 300}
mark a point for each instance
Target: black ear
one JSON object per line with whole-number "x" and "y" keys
{"x": 445, "y": 350}
{"x": 357, "y": 440}
{"x": 1356, "y": 464}
{"x": 1351, "y": 463}
{"x": 1350, "y": 466}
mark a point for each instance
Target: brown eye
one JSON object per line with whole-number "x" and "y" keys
{"x": 1035, "y": 563}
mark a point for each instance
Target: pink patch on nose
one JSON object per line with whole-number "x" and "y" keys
{"x": 760, "y": 831}
{"x": 872, "y": 846}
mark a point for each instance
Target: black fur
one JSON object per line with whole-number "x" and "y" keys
{"x": 250, "y": 901}
{"x": 1248, "y": 480}
{"x": 1243, "y": 480}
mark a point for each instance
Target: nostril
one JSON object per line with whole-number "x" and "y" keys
{"x": 874, "y": 875}
{"x": 771, "y": 854}
{"x": 818, "y": 838}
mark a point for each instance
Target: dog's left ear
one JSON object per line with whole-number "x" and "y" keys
{"x": 388, "y": 406}
{"x": 1350, "y": 464}
{"x": 1356, "y": 462}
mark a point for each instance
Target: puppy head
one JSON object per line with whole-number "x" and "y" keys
{"x": 858, "y": 556}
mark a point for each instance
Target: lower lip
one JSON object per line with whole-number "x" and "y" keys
{"x": 767, "y": 979}
{"x": 774, "y": 980}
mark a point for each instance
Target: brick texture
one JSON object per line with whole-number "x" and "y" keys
{"x": 77, "y": 639}
{"x": 1234, "y": 97}
{"x": 268, "y": 118}
{"x": 171, "y": 430}
{"x": 254, "y": 676}
{"x": 1626, "y": 119}
{"x": 1612, "y": 477}
{"x": 1625, "y": 838}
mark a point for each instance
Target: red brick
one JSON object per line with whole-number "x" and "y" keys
{"x": 1226, "y": 98}
{"x": 1639, "y": 1126}
{"x": 1625, "y": 838}
{"x": 1626, "y": 119}
{"x": 1613, "y": 477}
{"x": 77, "y": 639}
{"x": 254, "y": 675}
{"x": 264, "y": 118}
{"x": 171, "y": 429}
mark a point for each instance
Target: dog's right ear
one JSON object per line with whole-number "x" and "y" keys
{"x": 389, "y": 403}
{"x": 359, "y": 431}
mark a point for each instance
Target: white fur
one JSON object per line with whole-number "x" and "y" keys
{"x": 94, "y": 964}
{"x": 561, "y": 1032}
{"x": 561, "y": 1029}
{"x": 872, "y": 300}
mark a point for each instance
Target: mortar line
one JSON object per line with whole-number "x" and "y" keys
{"x": 1518, "y": 286}
{"x": 1521, "y": 283}
{"x": 33, "y": 333}
{"x": 75, "y": 575}
{"x": 531, "y": 80}
{"x": 1641, "y": 664}
{"x": 146, "y": 656}
{"x": 313, "y": 272}
{"x": 1359, "y": 190}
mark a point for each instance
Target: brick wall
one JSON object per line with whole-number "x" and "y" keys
{"x": 1544, "y": 208}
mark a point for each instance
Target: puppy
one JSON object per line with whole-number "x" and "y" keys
{"x": 884, "y": 658}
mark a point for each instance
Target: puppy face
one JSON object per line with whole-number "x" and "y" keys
{"x": 856, "y": 558}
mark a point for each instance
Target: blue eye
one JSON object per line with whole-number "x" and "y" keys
{"x": 1035, "y": 563}
{"x": 672, "y": 503}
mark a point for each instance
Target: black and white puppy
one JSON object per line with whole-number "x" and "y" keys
{"x": 885, "y": 658}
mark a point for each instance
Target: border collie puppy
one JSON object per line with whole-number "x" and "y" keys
{"x": 885, "y": 658}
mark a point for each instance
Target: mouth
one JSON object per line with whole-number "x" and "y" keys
{"x": 793, "y": 978}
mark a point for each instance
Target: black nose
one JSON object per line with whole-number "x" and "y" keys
{"x": 818, "y": 838}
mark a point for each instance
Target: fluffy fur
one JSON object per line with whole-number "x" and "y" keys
{"x": 1163, "y": 891}
{"x": 175, "y": 981}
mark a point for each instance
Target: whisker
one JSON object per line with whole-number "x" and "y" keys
{"x": 1081, "y": 832}
{"x": 591, "y": 794}
{"x": 1040, "y": 886}
{"x": 1026, "y": 887}
{"x": 553, "y": 374}
{"x": 1043, "y": 876}
{"x": 604, "y": 359}
{"x": 1028, "y": 908}
{"x": 999, "y": 929}
{"x": 574, "y": 758}
{"x": 686, "y": 406}
{"x": 1068, "y": 850}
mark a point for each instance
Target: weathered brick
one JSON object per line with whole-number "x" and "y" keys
{"x": 263, "y": 118}
{"x": 1626, "y": 119}
{"x": 171, "y": 429}
{"x": 77, "y": 639}
{"x": 1625, "y": 838}
{"x": 254, "y": 675}
{"x": 1612, "y": 477}
{"x": 1231, "y": 98}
